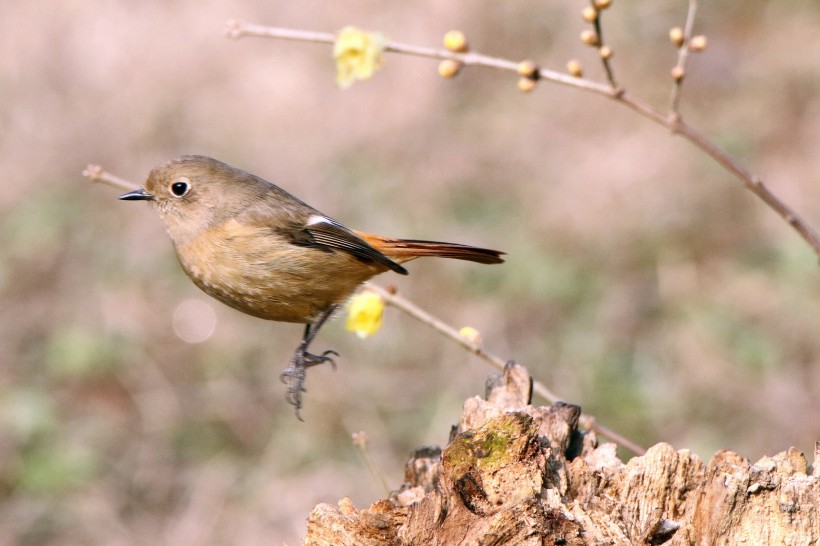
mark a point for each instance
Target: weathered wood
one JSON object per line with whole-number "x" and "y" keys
{"x": 522, "y": 475}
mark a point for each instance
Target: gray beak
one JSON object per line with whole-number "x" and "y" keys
{"x": 137, "y": 195}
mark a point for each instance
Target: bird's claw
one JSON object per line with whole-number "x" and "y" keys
{"x": 296, "y": 372}
{"x": 313, "y": 360}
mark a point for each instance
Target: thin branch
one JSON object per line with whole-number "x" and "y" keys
{"x": 751, "y": 181}
{"x": 95, "y": 173}
{"x": 360, "y": 441}
{"x": 236, "y": 30}
{"x": 610, "y": 74}
{"x": 413, "y": 310}
{"x": 673, "y": 123}
{"x": 683, "y": 53}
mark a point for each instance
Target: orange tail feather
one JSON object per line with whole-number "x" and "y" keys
{"x": 403, "y": 250}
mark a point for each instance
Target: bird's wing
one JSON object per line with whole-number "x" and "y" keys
{"x": 322, "y": 231}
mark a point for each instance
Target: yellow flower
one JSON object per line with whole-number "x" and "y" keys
{"x": 364, "y": 315}
{"x": 358, "y": 54}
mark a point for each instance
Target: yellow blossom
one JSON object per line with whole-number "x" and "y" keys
{"x": 358, "y": 54}
{"x": 364, "y": 315}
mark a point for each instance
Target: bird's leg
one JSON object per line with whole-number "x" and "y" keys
{"x": 294, "y": 375}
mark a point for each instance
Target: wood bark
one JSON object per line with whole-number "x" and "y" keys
{"x": 518, "y": 474}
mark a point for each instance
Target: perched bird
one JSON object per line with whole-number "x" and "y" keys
{"x": 258, "y": 249}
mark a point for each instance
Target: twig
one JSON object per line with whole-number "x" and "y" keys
{"x": 605, "y": 60}
{"x": 752, "y": 182}
{"x": 673, "y": 122}
{"x": 683, "y": 53}
{"x": 236, "y": 30}
{"x": 410, "y": 308}
{"x": 95, "y": 173}
{"x": 360, "y": 441}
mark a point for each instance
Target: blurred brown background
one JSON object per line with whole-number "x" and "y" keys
{"x": 642, "y": 281}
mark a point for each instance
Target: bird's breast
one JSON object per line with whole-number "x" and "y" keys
{"x": 257, "y": 271}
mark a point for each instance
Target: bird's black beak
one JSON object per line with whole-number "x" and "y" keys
{"x": 137, "y": 195}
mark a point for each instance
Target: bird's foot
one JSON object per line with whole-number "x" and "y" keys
{"x": 294, "y": 375}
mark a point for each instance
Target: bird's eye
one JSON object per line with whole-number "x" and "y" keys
{"x": 180, "y": 187}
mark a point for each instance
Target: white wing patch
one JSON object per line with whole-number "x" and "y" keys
{"x": 314, "y": 219}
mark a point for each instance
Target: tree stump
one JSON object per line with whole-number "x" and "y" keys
{"x": 523, "y": 475}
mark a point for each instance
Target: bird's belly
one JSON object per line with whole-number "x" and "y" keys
{"x": 273, "y": 280}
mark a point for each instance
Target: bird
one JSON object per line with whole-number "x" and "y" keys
{"x": 258, "y": 249}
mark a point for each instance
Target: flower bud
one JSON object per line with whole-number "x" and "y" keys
{"x": 449, "y": 68}
{"x": 601, "y": 4}
{"x": 455, "y": 41}
{"x": 697, "y": 43}
{"x": 470, "y": 334}
{"x": 574, "y": 68}
{"x": 589, "y": 14}
{"x": 605, "y": 52}
{"x": 678, "y": 73}
{"x": 528, "y": 69}
{"x": 676, "y": 36}
{"x": 526, "y": 84}
{"x": 590, "y": 37}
